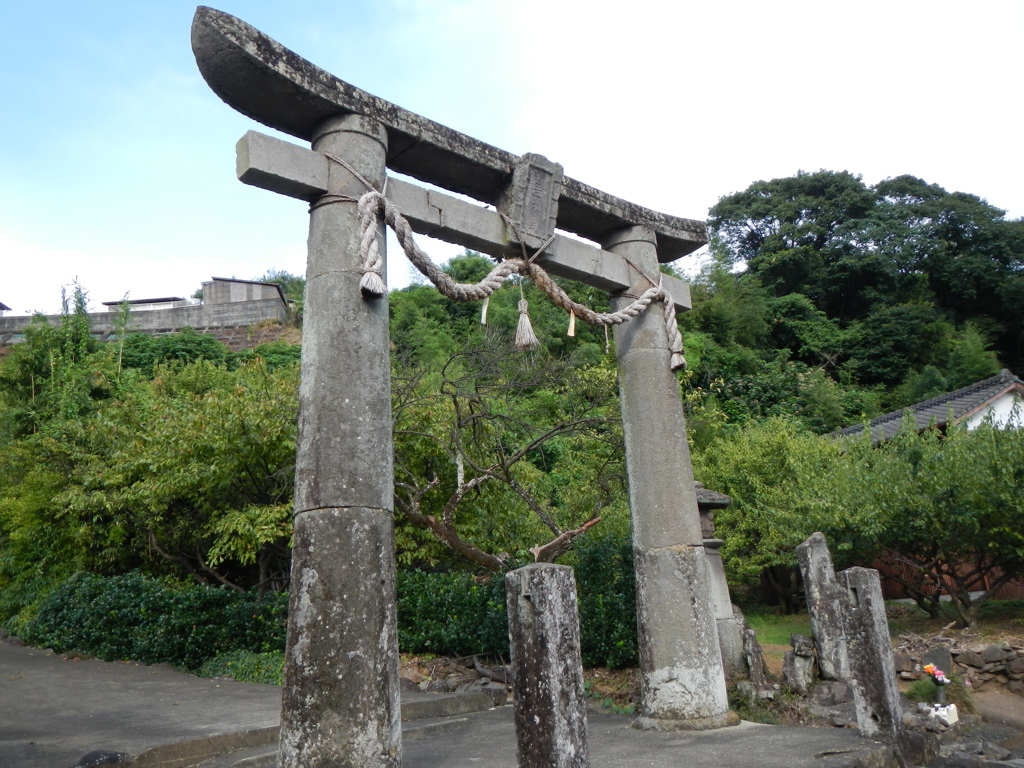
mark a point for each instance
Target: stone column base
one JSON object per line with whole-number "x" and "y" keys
{"x": 693, "y": 724}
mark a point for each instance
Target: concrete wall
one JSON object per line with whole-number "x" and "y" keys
{"x": 221, "y": 291}
{"x": 199, "y": 316}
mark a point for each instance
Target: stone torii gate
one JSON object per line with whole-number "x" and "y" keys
{"x": 341, "y": 702}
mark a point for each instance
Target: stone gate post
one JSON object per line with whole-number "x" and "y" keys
{"x": 340, "y": 705}
{"x": 682, "y": 678}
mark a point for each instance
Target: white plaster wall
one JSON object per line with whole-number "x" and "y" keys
{"x": 1006, "y": 412}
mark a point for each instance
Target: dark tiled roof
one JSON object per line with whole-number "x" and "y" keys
{"x": 161, "y": 300}
{"x": 953, "y": 406}
{"x": 4, "y": 307}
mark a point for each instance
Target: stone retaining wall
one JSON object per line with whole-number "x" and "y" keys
{"x": 231, "y": 315}
{"x": 979, "y": 665}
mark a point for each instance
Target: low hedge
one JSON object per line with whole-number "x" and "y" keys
{"x": 606, "y": 586}
{"x": 457, "y": 615}
{"x": 139, "y": 617}
{"x": 451, "y": 614}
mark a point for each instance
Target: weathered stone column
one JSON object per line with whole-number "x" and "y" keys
{"x": 826, "y": 601}
{"x": 544, "y": 638}
{"x": 875, "y": 692}
{"x": 682, "y": 680}
{"x": 340, "y": 705}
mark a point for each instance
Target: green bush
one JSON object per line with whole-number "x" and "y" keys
{"x": 138, "y": 617}
{"x": 246, "y": 667}
{"x": 275, "y": 354}
{"x": 449, "y": 613}
{"x": 144, "y": 619}
{"x": 606, "y": 587}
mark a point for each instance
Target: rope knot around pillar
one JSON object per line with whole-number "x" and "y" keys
{"x": 374, "y": 204}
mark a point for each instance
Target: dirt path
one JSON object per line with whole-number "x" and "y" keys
{"x": 1000, "y": 706}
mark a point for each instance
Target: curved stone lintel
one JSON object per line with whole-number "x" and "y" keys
{"x": 259, "y": 77}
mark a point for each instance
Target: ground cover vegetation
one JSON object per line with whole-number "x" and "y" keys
{"x": 826, "y": 302}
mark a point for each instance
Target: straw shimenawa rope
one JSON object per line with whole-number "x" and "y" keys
{"x": 374, "y": 204}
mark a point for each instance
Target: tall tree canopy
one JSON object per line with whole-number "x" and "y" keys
{"x": 873, "y": 285}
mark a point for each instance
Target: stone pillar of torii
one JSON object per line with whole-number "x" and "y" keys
{"x": 341, "y": 697}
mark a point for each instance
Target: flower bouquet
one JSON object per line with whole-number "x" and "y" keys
{"x": 941, "y": 681}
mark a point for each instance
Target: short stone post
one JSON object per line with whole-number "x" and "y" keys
{"x": 875, "y": 693}
{"x": 682, "y": 678}
{"x": 340, "y": 704}
{"x": 544, "y": 636}
{"x": 798, "y": 665}
{"x": 826, "y": 601}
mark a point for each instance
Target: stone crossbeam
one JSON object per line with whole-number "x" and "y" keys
{"x": 262, "y": 79}
{"x": 288, "y": 169}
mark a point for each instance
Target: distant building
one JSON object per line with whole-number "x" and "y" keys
{"x": 3, "y": 308}
{"x": 138, "y": 305}
{"x": 228, "y": 309}
{"x": 1000, "y": 398}
{"x": 218, "y": 290}
{"x": 227, "y": 290}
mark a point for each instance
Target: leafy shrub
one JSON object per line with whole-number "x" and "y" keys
{"x": 606, "y": 587}
{"x": 145, "y": 351}
{"x": 275, "y": 354}
{"x": 449, "y": 613}
{"x": 144, "y": 619}
{"x": 246, "y": 667}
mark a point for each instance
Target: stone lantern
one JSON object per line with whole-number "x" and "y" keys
{"x": 730, "y": 633}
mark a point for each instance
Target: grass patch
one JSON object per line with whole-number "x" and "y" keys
{"x": 753, "y": 710}
{"x": 615, "y": 690}
{"x": 785, "y": 709}
{"x": 246, "y": 667}
{"x": 773, "y": 629}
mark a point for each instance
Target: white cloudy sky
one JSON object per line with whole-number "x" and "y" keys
{"x": 117, "y": 161}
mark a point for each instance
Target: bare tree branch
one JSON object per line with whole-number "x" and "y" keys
{"x": 548, "y": 552}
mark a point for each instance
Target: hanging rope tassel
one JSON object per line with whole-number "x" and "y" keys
{"x": 525, "y": 337}
{"x": 483, "y": 310}
{"x": 372, "y": 284}
{"x": 677, "y": 362}
{"x": 572, "y": 324}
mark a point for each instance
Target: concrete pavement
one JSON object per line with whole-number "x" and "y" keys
{"x": 54, "y": 709}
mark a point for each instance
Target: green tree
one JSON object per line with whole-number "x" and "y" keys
{"x": 197, "y": 470}
{"x": 797, "y": 236}
{"x": 56, "y": 374}
{"x": 945, "y": 508}
{"x": 857, "y": 252}
{"x": 767, "y": 468}
{"x": 499, "y": 453}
